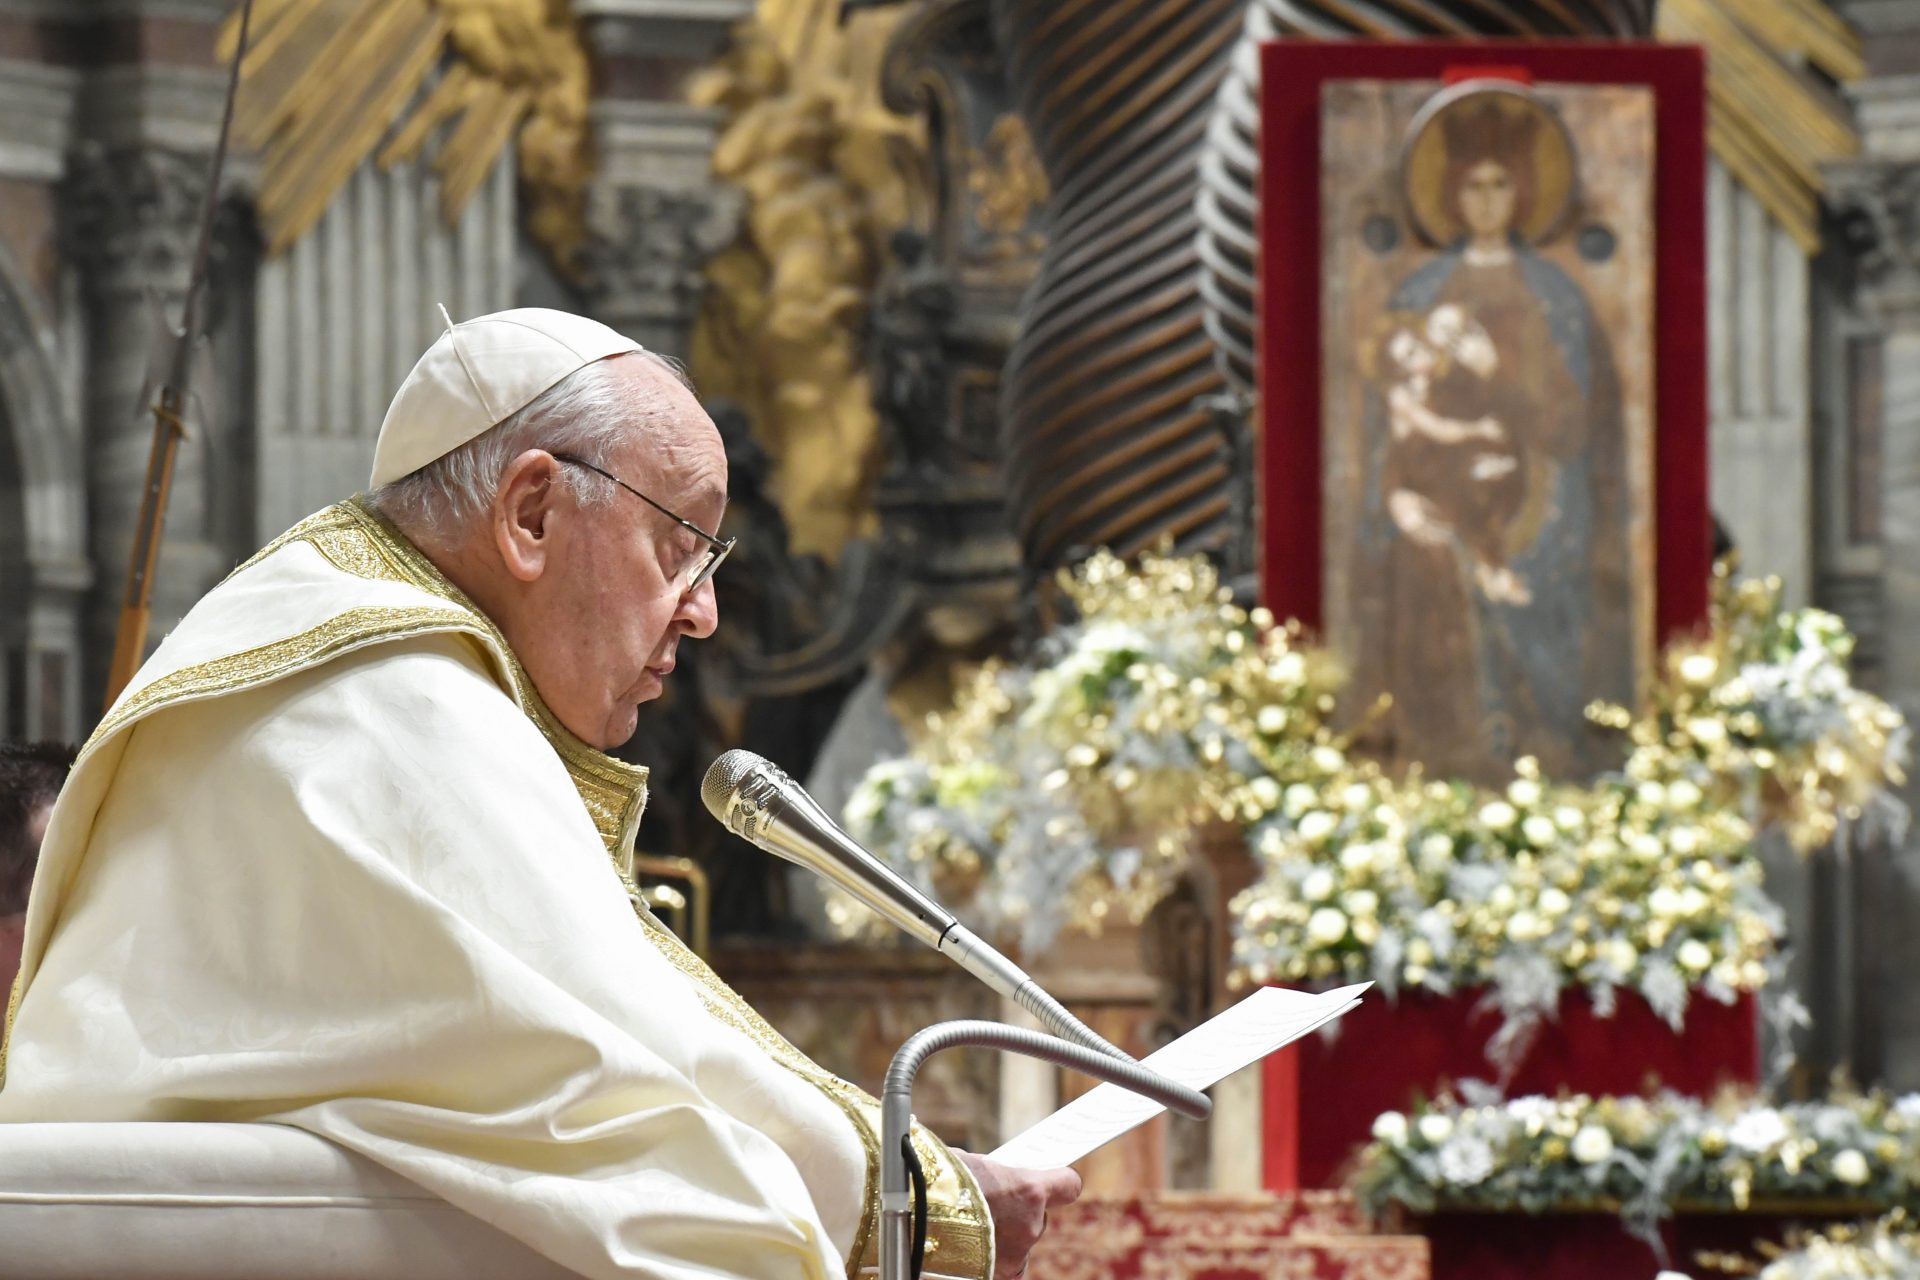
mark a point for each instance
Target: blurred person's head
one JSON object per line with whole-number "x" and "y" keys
{"x": 31, "y": 775}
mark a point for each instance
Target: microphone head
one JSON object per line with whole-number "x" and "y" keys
{"x": 723, "y": 778}
{"x": 755, "y": 799}
{"x": 737, "y": 788}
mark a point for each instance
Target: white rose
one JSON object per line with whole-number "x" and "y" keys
{"x": 1436, "y": 1128}
{"x": 1592, "y": 1144}
{"x": 1498, "y": 814}
{"x": 1390, "y": 1127}
{"x": 1758, "y": 1130}
{"x": 864, "y": 806}
{"x": 1707, "y": 731}
{"x": 1698, "y": 668}
{"x": 1466, "y": 1160}
{"x": 1524, "y": 792}
{"x": 1357, "y": 857}
{"x": 1327, "y": 926}
{"x": 1318, "y": 886}
{"x": 1525, "y": 927}
{"x": 1539, "y": 830}
{"x": 1318, "y": 825}
{"x": 1694, "y": 956}
{"x": 1851, "y": 1167}
{"x": 1272, "y": 720}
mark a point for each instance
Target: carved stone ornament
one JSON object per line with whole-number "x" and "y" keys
{"x": 646, "y": 247}
{"x": 131, "y": 216}
{"x": 1877, "y": 212}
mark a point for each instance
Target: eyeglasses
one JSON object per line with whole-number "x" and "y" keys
{"x": 700, "y": 570}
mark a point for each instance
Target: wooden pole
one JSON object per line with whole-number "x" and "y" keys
{"x": 169, "y": 425}
{"x": 136, "y": 607}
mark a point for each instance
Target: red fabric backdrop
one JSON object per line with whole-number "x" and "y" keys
{"x": 1322, "y": 1094}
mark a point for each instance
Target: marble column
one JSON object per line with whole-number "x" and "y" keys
{"x": 342, "y": 315}
{"x": 648, "y": 239}
{"x": 1887, "y": 883}
{"x": 1877, "y": 200}
{"x": 131, "y": 220}
{"x": 44, "y": 567}
{"x": 1758, "y": 330}
{"x": 654, "y": 213}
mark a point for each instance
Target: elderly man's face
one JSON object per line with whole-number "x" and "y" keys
{"x": 599, "y": 623}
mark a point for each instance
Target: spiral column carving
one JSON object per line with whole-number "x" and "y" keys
{"x": 1229, "y": 163}
{"x": 1111, "y": 438}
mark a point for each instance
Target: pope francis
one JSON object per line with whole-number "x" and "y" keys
{"x": 348, "y": 855}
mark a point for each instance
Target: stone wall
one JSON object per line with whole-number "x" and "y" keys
{"x": 112, "y": 109}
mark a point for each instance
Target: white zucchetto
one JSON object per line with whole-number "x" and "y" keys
{"x": 479, "y": 373}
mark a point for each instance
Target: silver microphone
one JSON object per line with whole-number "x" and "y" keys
{"x": 755, "y": 799}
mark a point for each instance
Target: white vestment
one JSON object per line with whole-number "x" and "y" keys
{"x": 330, "y": 863}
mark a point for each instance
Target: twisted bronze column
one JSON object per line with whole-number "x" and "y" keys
{"x": 1229, "y": 161}
{"x": 1110, "y": 437}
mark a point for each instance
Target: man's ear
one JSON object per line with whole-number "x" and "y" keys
{"x": 522, "y": 508}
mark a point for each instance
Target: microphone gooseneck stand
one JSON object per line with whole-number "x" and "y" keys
{"x": 755, "y": 799}
{"x": 900, "y": 1252}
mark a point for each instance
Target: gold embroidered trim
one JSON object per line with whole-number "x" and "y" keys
{"x": 359, "y": 540}
{"x": 614, "y": 793}
{"x": 725, "y": 1004}
{"x": 337, "y": 516}
{"x": 6, "y": 1031}
{"x": 959, "y": 1229}
{"x": 343, "y": 633}
{"x": 339, "y": 634}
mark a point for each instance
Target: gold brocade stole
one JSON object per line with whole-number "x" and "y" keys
{"x": 359, "y": 541}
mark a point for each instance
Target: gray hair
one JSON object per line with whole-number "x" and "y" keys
{"x": 585, "y": 413}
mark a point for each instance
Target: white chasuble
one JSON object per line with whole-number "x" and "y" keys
{"x": 330, "y": 863}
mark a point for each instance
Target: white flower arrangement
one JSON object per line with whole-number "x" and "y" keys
{"x": 1645, "y": 879}
{"x": 1066, "y": 792}
{"x": 1888, "y": 1249}
{"x": 1063, "y": 793}
{"x": 1644, "y": 1156}
{"x": 1435, "y": 887}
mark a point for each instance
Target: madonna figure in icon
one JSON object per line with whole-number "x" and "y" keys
{"x": 1495, "y": 459}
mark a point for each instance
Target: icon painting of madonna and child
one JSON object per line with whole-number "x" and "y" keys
{"x": 1487, "y": 389}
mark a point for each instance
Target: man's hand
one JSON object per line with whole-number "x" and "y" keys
{"x": 1019, "y": 1200}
